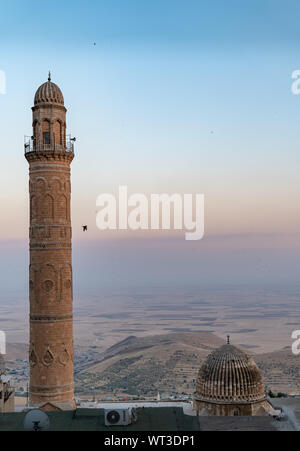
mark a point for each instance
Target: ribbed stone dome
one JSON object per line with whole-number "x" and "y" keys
{"x": 229, "y": 375}
{"x": 49, "y": 93}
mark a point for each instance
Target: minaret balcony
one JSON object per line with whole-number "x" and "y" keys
{"x": 31, "y": 145}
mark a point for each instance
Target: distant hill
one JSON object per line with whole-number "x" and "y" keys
{"x": 166, "y": 363}
{"x": 281, "y": 370}
{"x": 143, "y": 366}
{"x": 170, "y": 363}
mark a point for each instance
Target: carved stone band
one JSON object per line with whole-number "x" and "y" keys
{"x": 36, "y": 318}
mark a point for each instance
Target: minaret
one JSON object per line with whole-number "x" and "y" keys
{"x": 49, "y": 155}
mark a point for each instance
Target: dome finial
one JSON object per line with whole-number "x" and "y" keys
{"x": 228, "y": 339}
{"x": 49, "y": 76}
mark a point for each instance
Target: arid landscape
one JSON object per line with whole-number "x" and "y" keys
{"x": 139, "y": 344}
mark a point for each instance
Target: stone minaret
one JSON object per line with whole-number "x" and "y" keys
{"x": 49, "y": 155}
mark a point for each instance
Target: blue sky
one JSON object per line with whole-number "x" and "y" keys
{"x": 214, "y": 24}
{"x": 176, "y": 96}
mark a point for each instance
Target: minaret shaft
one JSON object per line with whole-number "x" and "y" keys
{"x": 50, "y": 279}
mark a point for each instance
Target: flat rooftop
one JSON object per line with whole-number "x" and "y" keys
{"x": 148, "y": 419}
{"x": 166, "y": 418}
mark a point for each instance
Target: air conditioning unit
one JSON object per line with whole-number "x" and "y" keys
{"x": 119, "y": 417}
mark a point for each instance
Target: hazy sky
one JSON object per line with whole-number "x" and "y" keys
{"x": 176, "y": 96}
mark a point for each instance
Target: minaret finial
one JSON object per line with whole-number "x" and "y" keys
{"x": 228, "y": 339}
{"x": 49, "y": 76}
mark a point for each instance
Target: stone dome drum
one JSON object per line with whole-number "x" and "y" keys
{"x": 229, "y": 375}
{"x": 47, "y": 93}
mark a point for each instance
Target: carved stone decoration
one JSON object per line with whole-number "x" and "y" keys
{"x": 64, "y": 356}
{"x": 48, "y": 278}
{"x": 66, "y": 281}
{"x": 48, "y": 356}
{"x": 56, "y": 185}
{"x": 62, "y": 207}
{"x": 67, "y": 186}
{"x": 41, "y": 184}
{"x": 33, "y": 207}
{"x": 48, "y": 207}
{"x": 33, "y": 357}
{"x": 68, "y": 284}
{"x": 48, "y": 285}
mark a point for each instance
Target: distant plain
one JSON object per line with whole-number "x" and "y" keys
{"x": 261, "y": 320}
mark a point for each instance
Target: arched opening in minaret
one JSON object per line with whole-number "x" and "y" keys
{"x": 46, "y": 132}
{"x": 35, "y": 130}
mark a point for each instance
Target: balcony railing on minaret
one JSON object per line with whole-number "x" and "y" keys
{"x": 31, "y": 145}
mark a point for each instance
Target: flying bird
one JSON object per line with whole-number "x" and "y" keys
{"x": 84, "y": 228}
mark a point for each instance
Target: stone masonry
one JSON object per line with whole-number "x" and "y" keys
{"x": 49, "y": 156}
